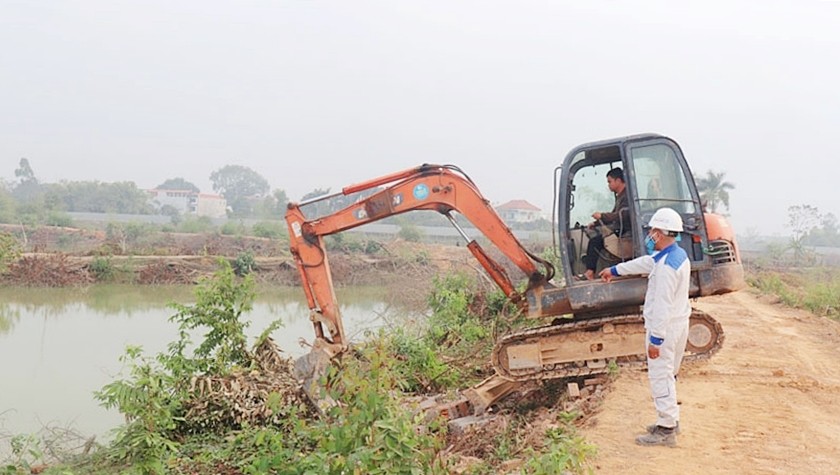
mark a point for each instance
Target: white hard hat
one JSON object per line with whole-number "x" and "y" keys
{"x": 666, "y": 219}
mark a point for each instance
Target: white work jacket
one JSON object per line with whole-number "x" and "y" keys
{"x": 666, "y": 300}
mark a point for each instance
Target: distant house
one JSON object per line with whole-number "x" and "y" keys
{"x": 518, "y": 211}
{"x": 188, "y": 202}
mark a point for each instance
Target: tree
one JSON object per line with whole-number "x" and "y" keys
{"x": 178, "y": 184}
{"x": 96, "y": 197}
{"x": 714, "y": 191}
{"x": 240, "y": 186}
{"x": 28, "y": 189}
{"x": 273, "y": 206}
{"x": 827, "y": 234}
{"x": 802, "y": 219}
{"x": 24, "y": 172}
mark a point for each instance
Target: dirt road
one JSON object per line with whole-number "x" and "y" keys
{"x": 768, "y": 402}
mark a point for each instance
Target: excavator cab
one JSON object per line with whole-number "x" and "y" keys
{"x": 656, "y": 175}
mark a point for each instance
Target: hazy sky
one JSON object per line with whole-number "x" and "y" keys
{"x": 325, "y": 94}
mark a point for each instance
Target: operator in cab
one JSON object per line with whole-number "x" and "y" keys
{"x": 615, "y": 222}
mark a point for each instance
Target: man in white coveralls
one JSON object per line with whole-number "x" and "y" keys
{"x": 666, "y": 313}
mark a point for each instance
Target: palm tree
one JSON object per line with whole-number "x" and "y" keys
{"x": 714, "y": 190}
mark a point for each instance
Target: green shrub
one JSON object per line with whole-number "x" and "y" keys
{"x": 269, "y": 229}
{"x": 244, "y": 263}
{"x": 564, "y": 453}
{"x": 58, "y": 218}
{"x": 372, "y": 247}
{"x": 410, "y": 232}
{"x": 152, "y": 395}
{"x": 102, "y": 268}
{"x": 370, "y": 432}
{"x": 231, "y": 228}
{"x": 9, "y": 250}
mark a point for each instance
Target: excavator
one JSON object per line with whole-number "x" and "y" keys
{"x": 586, "y": 324}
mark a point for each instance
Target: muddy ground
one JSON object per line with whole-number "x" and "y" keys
{"x": 766, "y": 403}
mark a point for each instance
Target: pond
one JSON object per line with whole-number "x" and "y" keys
{"x": 57, "y": 346}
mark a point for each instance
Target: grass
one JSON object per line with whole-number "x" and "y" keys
{"x": 816, "y": 290}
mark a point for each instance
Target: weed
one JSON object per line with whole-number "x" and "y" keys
{"x": 9, "y": 250}
{"x": 102, "y": 268}
{"x": 564, "y": 453}
{"x": 244, "y": 263}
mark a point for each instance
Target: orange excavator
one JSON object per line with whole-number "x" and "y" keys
{"x": 592, "y": 323}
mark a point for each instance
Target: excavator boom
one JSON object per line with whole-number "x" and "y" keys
{"x": 440, "y": 188}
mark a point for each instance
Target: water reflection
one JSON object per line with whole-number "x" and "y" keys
{"x": 59, "y": 345}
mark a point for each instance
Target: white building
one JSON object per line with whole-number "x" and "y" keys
{"x": 518, "y": 211}
{"x": 188, "y": 202}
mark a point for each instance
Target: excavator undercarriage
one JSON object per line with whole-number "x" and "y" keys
{"x": 580, "y": 349}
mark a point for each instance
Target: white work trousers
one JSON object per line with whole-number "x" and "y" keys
{"x": 662, "y": 370}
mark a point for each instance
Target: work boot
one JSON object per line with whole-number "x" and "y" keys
{"x": 649, "y": 429}
{"x": 659, "y": 436}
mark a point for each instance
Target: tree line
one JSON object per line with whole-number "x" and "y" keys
{"x": 28, "y": 200}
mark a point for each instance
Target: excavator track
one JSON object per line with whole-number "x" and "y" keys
{"x": 584, "y": 348}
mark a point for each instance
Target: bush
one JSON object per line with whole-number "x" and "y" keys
{"x": 565, "y": 453}
{"x": 57, "y": 218}
{"x": 269, "y": 229}
{"x": 244, "y": 263}
{"x": 231, "y": 228}
{"x": 410, "y": 233}
{"x": 9, "y": 250}
{"x": 102, "y": 268}
{"x": 369, "y": 432}
{"x": 152, "y": 396}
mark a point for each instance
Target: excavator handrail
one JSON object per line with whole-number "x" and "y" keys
{"x": 441, "y": 188}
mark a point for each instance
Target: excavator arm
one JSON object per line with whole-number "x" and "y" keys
{"x": 441, "y": 188}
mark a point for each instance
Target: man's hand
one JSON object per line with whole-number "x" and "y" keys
{"x": 606, "y": 275}
{"x": 653, "y": 351}
{"x": 596, "y": 215}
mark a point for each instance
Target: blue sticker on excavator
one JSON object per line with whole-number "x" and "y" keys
{"x": 421, "y": 191}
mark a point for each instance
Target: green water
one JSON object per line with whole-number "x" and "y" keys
{"x": 59, "y": 345}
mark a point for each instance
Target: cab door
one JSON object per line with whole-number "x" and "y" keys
{"x": 658, "y": 177}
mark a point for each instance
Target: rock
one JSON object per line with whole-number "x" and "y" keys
{"x": 573, "y": 390}
{"x": 462, "y": 425}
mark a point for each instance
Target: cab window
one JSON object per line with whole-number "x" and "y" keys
{"x": 660, "y": 180}
{"x": 591, "y": 193}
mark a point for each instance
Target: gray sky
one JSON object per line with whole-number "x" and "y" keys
{"x": 325, "y": 94}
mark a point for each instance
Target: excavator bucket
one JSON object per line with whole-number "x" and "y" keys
{"x": 311, "y": 371}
